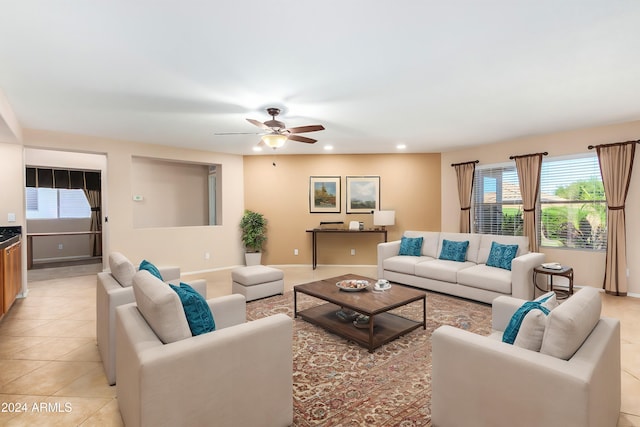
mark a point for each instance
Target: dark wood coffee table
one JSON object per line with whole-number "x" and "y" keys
{"x": 383, "y": 326}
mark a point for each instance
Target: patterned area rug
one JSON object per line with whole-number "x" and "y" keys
{"x": 339, "y": 383}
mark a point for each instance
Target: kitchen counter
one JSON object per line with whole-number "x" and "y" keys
{"x": 9, "y": 236}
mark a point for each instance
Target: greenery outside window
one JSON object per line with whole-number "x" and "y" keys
{"x": 497, "y": 203}
{"x": 571, "y": 209}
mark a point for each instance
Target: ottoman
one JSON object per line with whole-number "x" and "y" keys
{"x": 257, "y": 281}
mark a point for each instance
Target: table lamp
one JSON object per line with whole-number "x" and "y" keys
{"x": 384, "y": 218}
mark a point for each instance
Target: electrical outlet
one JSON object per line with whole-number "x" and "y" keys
{"x": 353, "y": 251}
{"x": 295, "y": 252}
{"x": 59, "y": 245}
{"x": 207, "y": 255}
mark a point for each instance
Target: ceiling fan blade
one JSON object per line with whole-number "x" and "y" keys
{"x": 303, "y": 129}
{"x": 302, "y": 139}
{"x": 259, "y": 124}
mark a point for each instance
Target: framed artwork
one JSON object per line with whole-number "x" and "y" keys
{"x": 363, "y": 194}
{"x": 324, "y": 194}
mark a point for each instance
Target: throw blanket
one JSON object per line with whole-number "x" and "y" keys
{"x": 510, "y": 333}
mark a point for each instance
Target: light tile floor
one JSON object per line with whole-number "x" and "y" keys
{"x": 50, "y": 369}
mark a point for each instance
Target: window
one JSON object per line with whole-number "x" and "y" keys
{"x": 571, "y": 212}
{"x": 497, "y": 204}
{"x": 572, "y": 204}
{"x": 51, "y": 203}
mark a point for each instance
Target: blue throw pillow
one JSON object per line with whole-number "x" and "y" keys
{"x": 146, "y": 265}
{"x": 510, "y": 333}
{"x": 196, "y": 309}
{"x": 411, "y": 246}
{"x": 502, "y": 255}
{"x": 454, "y": 251}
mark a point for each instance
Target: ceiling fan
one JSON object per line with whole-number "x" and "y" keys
{"x": 277, "y": 133}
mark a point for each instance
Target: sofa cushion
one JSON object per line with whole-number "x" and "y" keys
{"x": 454, "y": 251}
{"x": 442, "y": 270}
{"x": 196, "y": 309}
{"x": 487, "y": 239}
{"x": 485, "y": 277}
{"x": 534, "y": 323}
{"x": 430, "y": 241}
{"x": 411, "y": 246}
{"x": 161, "y": 307}
{"x": 146, "y": 265}
{"x": 121, "y": 269}
{"x": 502, "y": 255}
{"x": 473, "y": 239}
{"x": 569, "y": 324}
{"x": 403, "y": 264}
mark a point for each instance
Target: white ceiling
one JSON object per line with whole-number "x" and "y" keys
{"x": 434, "y": 75}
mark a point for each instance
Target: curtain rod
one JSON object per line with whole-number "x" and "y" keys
{"x": 464, "y": 163}
{"x": 591, "y": 147}
{"x": 528, "y": 155}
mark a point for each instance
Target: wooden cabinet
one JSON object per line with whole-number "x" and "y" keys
{"x": 11, "y": 274}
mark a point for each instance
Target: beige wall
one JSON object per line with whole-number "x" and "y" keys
{"x": 588, "y": 266}
{"x": 174, "y": 194}
{"x": 182, "y": 246}
{"x": 409, "y": 184}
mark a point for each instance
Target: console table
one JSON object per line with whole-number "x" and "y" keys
{"x": 317, "y": 231}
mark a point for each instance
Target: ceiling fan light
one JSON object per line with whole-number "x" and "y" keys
{"x": 274, "y": 140}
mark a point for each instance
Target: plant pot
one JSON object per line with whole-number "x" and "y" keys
{"x": 253, "y": 258}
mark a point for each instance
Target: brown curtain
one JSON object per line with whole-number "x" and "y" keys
{"x": 529, "y": 167}
{"x": 616, "y": 163}
{"x": 95, "y": 240}
{"x": 465, "y": 172}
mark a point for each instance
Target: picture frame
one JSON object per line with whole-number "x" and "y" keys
{"x": 325, "y": 194}
{"x": 363, "y": 194}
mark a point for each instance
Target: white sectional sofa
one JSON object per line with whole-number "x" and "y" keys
{"x": 471, "y": 278}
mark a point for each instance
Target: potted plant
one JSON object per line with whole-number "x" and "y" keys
{"x": 254, "y": 229}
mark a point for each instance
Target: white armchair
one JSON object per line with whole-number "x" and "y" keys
{"x": 113, "y": 288}
{"x": 482, "y": 381}
{"x": 240, "y": 374}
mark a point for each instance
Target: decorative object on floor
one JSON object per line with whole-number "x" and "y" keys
{"x": 254, "y": 235}
{"x": 363, "y": 194}
{"x": 257, "y": 281}
{"x": 324, "y": 194}
{"x": 337, "y": 382}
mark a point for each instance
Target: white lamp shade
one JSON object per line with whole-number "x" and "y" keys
{"x": 384, "y": 218}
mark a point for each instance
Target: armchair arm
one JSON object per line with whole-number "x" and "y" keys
{"x": 522, "y": 274}
{"x": 481, "y": 381}
{"x": 386, "y": 250}
{"x": 502, "y": 310}
{"x": 228, "y": 310}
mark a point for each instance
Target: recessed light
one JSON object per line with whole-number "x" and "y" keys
{"x": 257, "y": 149}
{"x": 401, "y": 146}
{"x": 328, "y": 147}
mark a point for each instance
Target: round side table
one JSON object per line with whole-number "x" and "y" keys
{"x": 565, "y": 271}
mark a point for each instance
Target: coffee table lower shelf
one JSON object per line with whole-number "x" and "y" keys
{"x": 387, "y": 326}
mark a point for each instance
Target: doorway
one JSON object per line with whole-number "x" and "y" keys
{"x": 66, "y": 202}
